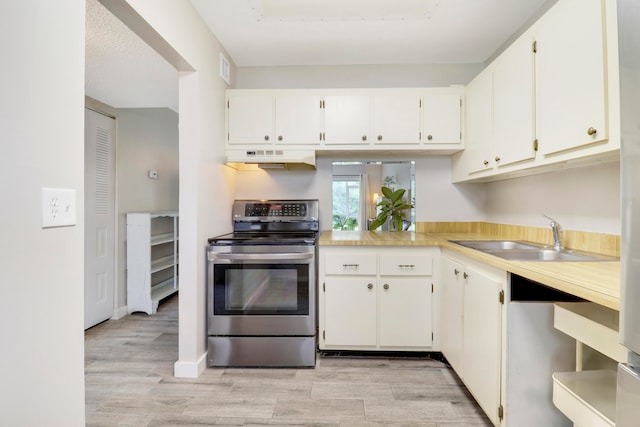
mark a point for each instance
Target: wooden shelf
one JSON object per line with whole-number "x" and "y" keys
{"x": 588, "y": 398}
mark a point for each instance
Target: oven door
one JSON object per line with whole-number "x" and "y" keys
{"x": 261, "y": 290}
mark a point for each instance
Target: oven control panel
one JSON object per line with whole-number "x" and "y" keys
{"x": 275, "y": 209}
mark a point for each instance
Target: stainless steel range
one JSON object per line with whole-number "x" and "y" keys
{"x": 261, "y": 286}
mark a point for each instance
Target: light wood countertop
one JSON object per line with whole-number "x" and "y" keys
{"x": 598, "y": 282}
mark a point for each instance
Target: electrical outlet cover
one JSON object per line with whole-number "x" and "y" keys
{"x": 59, "y": 207}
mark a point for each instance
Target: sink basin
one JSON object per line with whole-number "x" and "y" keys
{"x": 543, "y": 255}
{"x": 514, "y": 250}
{"x": 484, "y": 245}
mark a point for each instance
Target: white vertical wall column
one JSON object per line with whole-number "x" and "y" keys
{"x": 41, "y": 289}
{"x": 207, "y": 186}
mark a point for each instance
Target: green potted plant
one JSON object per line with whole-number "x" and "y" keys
{"x": 392, "y": 209}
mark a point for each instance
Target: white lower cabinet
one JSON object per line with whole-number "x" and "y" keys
{"x": 501, "y": 342}
{"x": 350, "y": 305}
{"x": 376, "y": 298}
{"x": 471, "y": 327}
{"x": 482, "y": 336}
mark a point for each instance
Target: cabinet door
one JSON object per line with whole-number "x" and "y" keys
{"x": 479, "y": 119}
{"x": 441, "y": 118}
{"x": 396, "y": 119}
{"x": 570, "y": 71}
{"x": 350, "y": 311}
{"x": 513, "y": 104}
{"x": 347, "y": 119}
{"x": 405, "y": 312}
{"x": 481, "y": 348}
{"x": 250, "y": 119}
{"x": 451, "y": 312}
{"x": 297, "y": 119}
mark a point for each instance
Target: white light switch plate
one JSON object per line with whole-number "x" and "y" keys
{"x": 58, "y": 207}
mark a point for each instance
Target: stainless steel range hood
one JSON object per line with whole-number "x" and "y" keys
{"x": 270, "y": 158}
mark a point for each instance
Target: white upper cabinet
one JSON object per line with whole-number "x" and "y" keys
{"x": 297, "y": 119}
{"x": 479, "y": 129}
{"x": 441, "y": 119}
{"x": 571, "y": 86}
{"x": 514, "y": 105}
{"x": 250, "y": 119}
{"x": 396, "y": 119}
{"x": 280, "y": 120}
{"x": 555, "y": 89}
{"x": 347, "y": 119}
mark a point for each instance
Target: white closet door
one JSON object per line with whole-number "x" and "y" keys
{"x": 99, "y": 207}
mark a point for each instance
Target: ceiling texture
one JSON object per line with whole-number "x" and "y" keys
{"x": 124, "y": 72}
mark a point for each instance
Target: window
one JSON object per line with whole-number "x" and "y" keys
{"x": 346, "y": 202}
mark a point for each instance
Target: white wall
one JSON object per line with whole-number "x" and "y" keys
{"x": 41, "y": 290}
{"x": 437, "y": 199}
{"x": 147, "y": 138}
{"x": 586, "y": 199}
{"x": 355, "y": 76}
{"x": 207, "y": 187}
{"x": 289, "y": 184}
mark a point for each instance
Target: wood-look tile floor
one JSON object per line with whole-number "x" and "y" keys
{"x": 129, "y": 382}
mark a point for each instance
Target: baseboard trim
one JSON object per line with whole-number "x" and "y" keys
{"x": 120, "y": 312}
{"x": 183, "y": 369}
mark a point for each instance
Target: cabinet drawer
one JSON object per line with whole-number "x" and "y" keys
{"x": 347, "y": 263}
{"x": 406, "y": 265}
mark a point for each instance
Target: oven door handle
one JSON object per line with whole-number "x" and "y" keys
{"x": 260, "y": 257}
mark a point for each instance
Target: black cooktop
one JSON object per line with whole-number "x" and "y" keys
{"x": 249, "y": 238}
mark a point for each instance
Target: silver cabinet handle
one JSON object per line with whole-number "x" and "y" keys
{"x": 406, "y": 266}
{"x": 364, "y": 137}
{"x": 385, "y": 286}
{"x": 465, "y": 275}
{"x": 379, "y": 137}
{"x": 370, "y": 286}
{"x": 280, "y": 138}
{"x": 456, "y": 272}
{"x": 350, "y": 265}
{"x": 266, "y": 137}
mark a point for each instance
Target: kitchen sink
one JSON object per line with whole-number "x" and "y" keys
{"x": 529, "y": 251}
{"x": 484, "y": 245}
{"x": 544, "y": 255}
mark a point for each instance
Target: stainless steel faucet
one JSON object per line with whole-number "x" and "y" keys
{"x": 557, "y": 233}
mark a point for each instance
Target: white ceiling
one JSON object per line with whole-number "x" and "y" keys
{"x": 331, "y": 32}
{"x": 124, "y": 72}
{"x": 120, "y": 69}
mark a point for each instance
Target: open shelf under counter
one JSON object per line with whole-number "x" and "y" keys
{"x": 588, "y": 398}
{"x": 593, "y": 325}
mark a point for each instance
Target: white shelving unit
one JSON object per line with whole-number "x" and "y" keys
{"x": 152, "y": 259}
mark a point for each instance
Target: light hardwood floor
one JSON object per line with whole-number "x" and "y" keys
{"x": 129, "y": 382}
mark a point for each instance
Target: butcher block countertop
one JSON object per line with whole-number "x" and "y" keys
{"x": 598, "y": 282}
